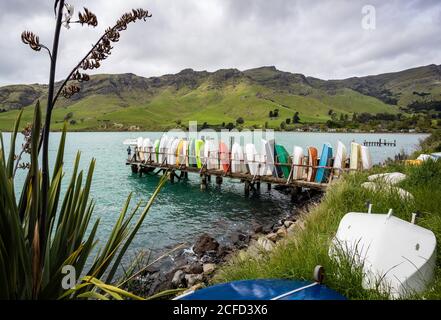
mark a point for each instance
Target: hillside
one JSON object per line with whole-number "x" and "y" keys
{"x": 130, "y": 102}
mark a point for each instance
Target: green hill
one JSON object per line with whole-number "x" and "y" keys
{"x": 130, "y": 102}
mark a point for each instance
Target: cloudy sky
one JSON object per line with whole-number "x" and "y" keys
{"x": 325, "y": 39}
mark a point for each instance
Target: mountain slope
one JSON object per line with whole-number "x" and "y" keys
{"x": 127, "y": 101}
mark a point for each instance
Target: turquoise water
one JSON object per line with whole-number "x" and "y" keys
{"x": 182, "y": 211}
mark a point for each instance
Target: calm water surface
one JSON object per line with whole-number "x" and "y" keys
{"x": 182, "y": 211}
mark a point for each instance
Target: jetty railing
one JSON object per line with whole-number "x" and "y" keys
{"x": 146, "y": 162}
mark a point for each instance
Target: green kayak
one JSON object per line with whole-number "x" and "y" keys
{"x": 283, "y": 160}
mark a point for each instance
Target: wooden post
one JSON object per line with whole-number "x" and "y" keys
{"x": 171, "y": 177}
{"x": 258, "y": 185}
{"x": 203, "y": 182}
{"x": 268, "y": 186}
{"x": 209, "y": 178}
{"x": 247, "y": 188}
{"x": 218, "y": 180}
{"x": 134, "y": 168}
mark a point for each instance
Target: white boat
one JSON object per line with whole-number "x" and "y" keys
{"x": 366, "y": 159}
{"x": 252, "y": 159}
{"x": 163, "y": 143}
{"x": 139, "y": 146}
{"x": 149, "y": 150}
{"x": 237, "y": 159}
{"x": 268, "y": 168}
{"x": 211, "y": 154}
{"x": 397, "y": 256}
{"x": 374, "y": 186}
{"x": 130, "y": 142}
{"x": 389, "y": 178}
{"x": 297, "y": 159}
{"x": 171, "y": 152}
{"x": 355, "y": 157}
{"x": 340, "y": 158}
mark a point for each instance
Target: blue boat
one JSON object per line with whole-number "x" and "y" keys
{"x": 325, "y": 158}
{"x": 265, "y": 289}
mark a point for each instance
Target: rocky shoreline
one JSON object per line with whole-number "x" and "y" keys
{"x": 194, "y": 266}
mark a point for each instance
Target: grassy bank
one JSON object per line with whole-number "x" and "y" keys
{"x": 296, "y": 257}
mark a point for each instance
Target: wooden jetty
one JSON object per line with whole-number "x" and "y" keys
{"x": 252, "y": 183}
{"x": 380, "y": 143}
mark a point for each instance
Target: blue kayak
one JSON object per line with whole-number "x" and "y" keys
{"x": 265, "y": 289}
{"x": 322, "y": 173}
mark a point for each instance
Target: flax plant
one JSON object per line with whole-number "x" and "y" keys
{"x": 42, "y": 231}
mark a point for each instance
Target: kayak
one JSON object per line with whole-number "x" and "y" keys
{"x": 237, "y": 159}
{"x": 224, "y": 157}
{"x": 312, "y": 163}
{"x": 283, "y": 160}
{"x": 325, "y": 158}
{"x": 340, "y": 158}
{"x": 297, "y": 156}
{"x": 199, "y": 151}
{"x": 264, "y": 289}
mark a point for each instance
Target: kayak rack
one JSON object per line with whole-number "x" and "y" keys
{"x": 252, "y": 183}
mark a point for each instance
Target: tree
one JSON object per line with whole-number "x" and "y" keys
{"x": 283, "y": 125}
{"x": 354, "y": 117}
{"x": 240, "y": 120}
{"x": 342, "y": 117}
{"x": 205, "y": 125}
{"x": 271, "y": 114}
{"x": 276, "y": 113}
{"x": 230, "y": 126}
{"x": 296, "y": 117}
{"x": 330, "y": 112}
{"x": 288, "y": 121}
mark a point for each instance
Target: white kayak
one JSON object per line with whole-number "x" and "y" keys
{"x": 268, "y": 154}
{"x": 139, "y": 146}
{"x": 366, "y": 159}
{"x": 211, "y": 154}
{"x": 252, "y": 159}
{"x": 397, "y": 255}
{"x": 171, "y": 152}
{"x": 163, "y": 143}
{"x": 148, "y": 151}
{"x": 355, "y": 157}
{"x": 237, "y": 159}
{"x": 297, "y": 159}
{"x": 340, "y": 158}
{"x": 389, "y": 178}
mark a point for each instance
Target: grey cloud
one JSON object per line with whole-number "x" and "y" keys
{"x": 321, "y": 38}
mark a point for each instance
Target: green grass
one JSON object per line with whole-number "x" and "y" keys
{"x": 159, "y": 109}
{"x": 308, "y": 247}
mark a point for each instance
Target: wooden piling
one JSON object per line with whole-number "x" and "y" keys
{"x": 219, "y": 180}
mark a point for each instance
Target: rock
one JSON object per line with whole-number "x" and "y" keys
{"x": 222, "y": 251}
{"x": 288, "y": 223}
{"x": 291, "y": 228}
{"x": 281, "y": 232}
{"x": 194, "y": 268}
{"x": 272, "y": 236}
{"x": 178, "y": 279}
{"x": 209, "y": 268}
{"x": 265, "y": 243}
{"x": 258, "y": 229}
{"x": 205, "y": 243}
{"x": 192, "y": 279}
